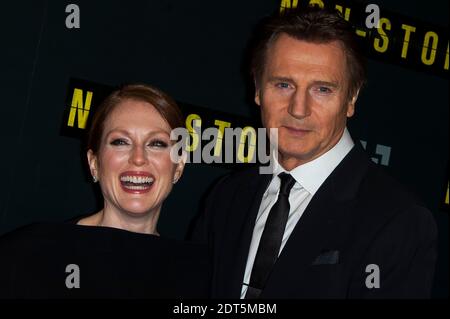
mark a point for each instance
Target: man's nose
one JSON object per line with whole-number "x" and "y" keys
{"x": 299, "y": 105}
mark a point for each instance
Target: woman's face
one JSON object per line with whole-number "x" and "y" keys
{"x": 133, "y": 163}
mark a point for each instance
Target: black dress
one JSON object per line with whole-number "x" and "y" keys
{"x": 73, "y": 261}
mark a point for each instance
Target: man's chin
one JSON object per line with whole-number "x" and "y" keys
{"x": 298, "y": 150}
{"x": 289, "y": 154}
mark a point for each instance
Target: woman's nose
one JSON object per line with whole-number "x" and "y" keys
{"x": 138, "y": 156}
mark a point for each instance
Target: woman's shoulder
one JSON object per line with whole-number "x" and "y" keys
{"x": 27, "y": 232}
{"x": 76, "y": 219}
{"x": 40, "y": 230}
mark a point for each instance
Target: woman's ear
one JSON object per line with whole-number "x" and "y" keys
{"x": 179, "y": 168}
{"x": 93, "y": 165}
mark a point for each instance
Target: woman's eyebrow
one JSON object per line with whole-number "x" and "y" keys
{"x": 128, "y": 133}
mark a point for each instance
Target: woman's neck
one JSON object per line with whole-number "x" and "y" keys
{"x": 144, "y": 224}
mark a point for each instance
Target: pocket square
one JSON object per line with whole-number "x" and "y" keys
{"x": 327, "y": 257}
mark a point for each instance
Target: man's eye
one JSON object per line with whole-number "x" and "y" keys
{"x": 323, "y": 89}
{"x": 158, "y": 144}
{"x": 283, "y": 85}
{"x": 118, "y": 142}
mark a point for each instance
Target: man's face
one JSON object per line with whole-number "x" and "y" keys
{"x": 304, "y": 93}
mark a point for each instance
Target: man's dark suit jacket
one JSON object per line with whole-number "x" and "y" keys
{"x": 359, "y": 217}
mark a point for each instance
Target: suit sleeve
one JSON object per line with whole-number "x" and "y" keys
{"x": 403, "y": 254}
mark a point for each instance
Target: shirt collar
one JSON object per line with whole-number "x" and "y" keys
{"x": 311, "y": 175}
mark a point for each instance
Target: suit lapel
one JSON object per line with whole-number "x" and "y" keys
{"x": 318, "y": 228}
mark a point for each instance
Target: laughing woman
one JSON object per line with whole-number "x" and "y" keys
{"x": 116, "y": 252}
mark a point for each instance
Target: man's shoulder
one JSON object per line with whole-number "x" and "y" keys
{"x": 236, "y": 187}
{"x": 240, "y": 177}
{"x": 383, "y": 200}
{"x": 385, "y": 188}
{"x": 372, "y": 182}
{"x": 378, "y": 195}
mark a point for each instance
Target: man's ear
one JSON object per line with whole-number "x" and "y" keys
{"x": 351, "y": 104}
{"x": 257, "y": 98}
{"x": 257, "y": 93}
{"x": 93, "y": 164}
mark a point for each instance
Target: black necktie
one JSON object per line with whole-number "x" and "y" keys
{"x": 271, "y": 238}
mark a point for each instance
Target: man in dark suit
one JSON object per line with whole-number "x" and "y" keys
{"x": 328, "y": 223}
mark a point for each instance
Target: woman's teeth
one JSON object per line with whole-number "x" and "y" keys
{"x": 136, "y": 182}
{"x": 137, "y": 179}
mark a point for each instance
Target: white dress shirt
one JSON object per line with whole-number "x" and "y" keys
{"x": 309, "y": 177}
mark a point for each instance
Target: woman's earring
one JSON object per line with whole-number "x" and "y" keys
{"x": 94, "y": 179}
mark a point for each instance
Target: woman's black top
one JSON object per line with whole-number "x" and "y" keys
{"x": 73, "y": 261}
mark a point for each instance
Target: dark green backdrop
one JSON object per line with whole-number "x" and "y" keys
{"x": 194, "y": 51}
